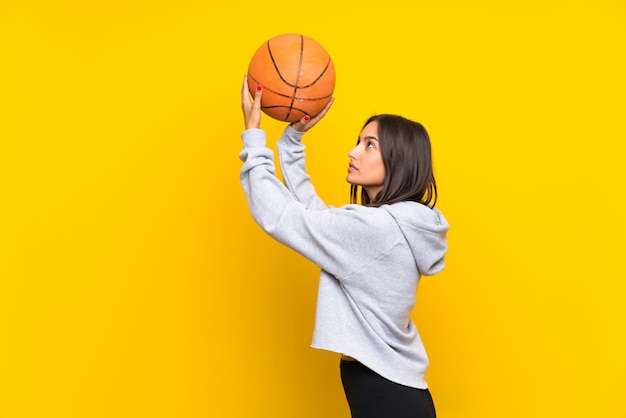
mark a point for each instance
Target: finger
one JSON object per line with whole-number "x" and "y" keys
{"x": 325, "y": 109}
{"x": 302, "y": 124}
{"x": 323, "y": 112}
{"x": 245, "y": 95}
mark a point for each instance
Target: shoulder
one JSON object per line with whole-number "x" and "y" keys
{"x": 417, "y": 215}
{"x": 372, "y": 219}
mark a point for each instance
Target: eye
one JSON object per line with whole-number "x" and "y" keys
{"x": 370, "y": 144}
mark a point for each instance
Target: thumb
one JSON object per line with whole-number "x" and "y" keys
{"x": 258, "y": 93}
{"x": 302, "y": 124}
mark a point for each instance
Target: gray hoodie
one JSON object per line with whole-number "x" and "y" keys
{"x": 371, "y": 259}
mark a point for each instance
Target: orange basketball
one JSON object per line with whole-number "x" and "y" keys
{"x": 297, "y": 76}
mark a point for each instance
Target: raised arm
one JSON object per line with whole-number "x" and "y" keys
{"x": 292, "y": 164}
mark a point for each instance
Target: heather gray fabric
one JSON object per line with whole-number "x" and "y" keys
{"x": 371, "y": 258}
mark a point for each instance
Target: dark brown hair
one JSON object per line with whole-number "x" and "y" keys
{"x": 407, "y": 158}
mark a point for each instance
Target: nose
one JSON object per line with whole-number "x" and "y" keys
{"x": 352, "y": 153}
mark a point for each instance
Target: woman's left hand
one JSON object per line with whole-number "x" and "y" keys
{"x": 251, "y": 109}
{"x": 307, "y": 123}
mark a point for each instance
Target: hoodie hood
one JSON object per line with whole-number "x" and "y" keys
{"x": 425, "y": 230}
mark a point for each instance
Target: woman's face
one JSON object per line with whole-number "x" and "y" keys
{"x": 366, "y": 162}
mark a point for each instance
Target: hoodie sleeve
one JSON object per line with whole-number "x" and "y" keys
{"x": 292, "y": 163}
{"x": 339, "y": 240}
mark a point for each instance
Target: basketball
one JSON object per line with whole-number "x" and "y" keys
{"x": 297, "y": 76}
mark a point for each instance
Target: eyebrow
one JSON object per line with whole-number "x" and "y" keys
{"x": 370, "y": 137}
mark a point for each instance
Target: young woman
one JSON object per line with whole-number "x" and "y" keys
{"x": 371, "y": 252}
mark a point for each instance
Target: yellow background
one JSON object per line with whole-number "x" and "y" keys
{"x": 133, "y": 282}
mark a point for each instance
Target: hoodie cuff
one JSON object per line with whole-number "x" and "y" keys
{"x": 291, "y": 135}
{"x": 254, "y": 137}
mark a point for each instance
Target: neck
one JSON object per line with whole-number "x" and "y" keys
{"x": 372, "y": 192}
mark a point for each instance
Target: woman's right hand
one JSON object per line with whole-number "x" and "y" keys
{"x": 251, "y": 108}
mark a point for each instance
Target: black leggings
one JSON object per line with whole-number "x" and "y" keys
{"x": 370, "y": 395}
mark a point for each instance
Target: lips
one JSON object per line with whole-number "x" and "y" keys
{"x": 351, "y": 168}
